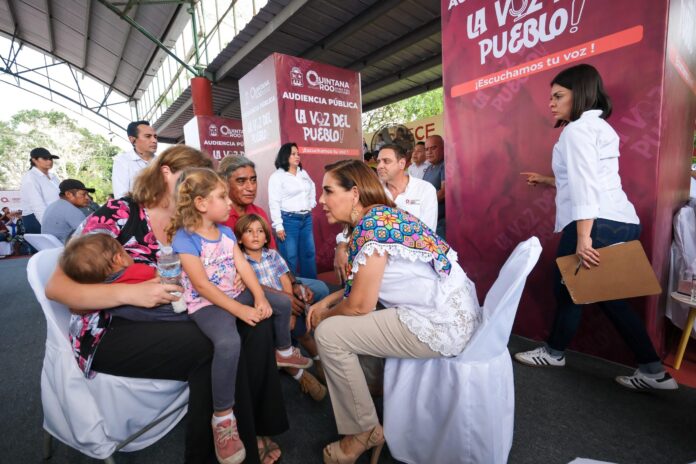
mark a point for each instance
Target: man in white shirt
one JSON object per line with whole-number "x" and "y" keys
{"x": 127, "y": 165}
{"x": 418, "y": 162}
{"x": 38, "y": 189}
{"x": 416, "y": 196}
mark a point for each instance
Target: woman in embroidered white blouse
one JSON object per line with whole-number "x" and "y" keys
{"x": 291, "y": 198}
{"x": 592, "y": 211}
{"x": 432, "y": 309}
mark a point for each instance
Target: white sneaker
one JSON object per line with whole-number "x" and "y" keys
{"x": 539, "y": 357}
{"x": 640, "y": 381}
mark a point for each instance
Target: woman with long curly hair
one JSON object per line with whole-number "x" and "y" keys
{"x": 166, "y": 350}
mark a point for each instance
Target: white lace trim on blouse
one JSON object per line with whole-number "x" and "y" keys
{"x": 448, "y": 324}
{"x": 402, "y": 251}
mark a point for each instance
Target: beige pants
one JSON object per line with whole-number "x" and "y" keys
{"x": 340, "y": 340}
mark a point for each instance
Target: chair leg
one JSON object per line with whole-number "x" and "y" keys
{"x": 109, "y": 460}
{"x": 685, "y": 338}
{"x": 47, "y": 445}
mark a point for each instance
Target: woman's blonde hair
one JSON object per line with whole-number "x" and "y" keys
{"x": 150, "y": 188}
{"x": 193, "y": 183}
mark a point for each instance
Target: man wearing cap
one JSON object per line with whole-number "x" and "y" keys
{"x": 38, "y": 189}
{"x": 127, "y": 165}
{"x": 64, "y": 215}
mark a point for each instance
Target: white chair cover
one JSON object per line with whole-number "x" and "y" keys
{"x": 683, "y": 258}
{"x": 43, "y": 241}
{"x": 5, "y": 248}
{"x": 95, "y": 415}
{"x": 461, "y": 409}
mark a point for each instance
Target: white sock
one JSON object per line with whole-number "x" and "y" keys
{"x": 218, "y": 419}
{"x": 298, "y": 375}
{"x": 286, "y": 352}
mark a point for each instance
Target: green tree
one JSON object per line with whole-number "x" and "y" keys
{"x": 83, "y": 155}
{"x": 417, "y": 107}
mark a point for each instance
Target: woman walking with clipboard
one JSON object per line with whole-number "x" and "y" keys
{"x": 592, "y": 211}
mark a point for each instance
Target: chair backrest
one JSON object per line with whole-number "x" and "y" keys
{"x": 43, "y": 241}
{"x": 101, "y": 415}
{"x": 500, "y": 306}
{"x": 39, "y": 270}
{"x": 684, "y": 224}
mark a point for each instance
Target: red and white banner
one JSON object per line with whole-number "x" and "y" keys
{"x": 499, "y": 57}
{"x": 318, "y": 107}
{"x": 11, "y": 199}
{"x": 217, "y": 136}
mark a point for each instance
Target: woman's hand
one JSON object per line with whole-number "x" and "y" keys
{"x": 153, "y": 293}
{"x": 281, "y": 235}
{"x": 584, "y": 250}
{"x": 250, "y": 316}
{"x": 534, "y": 179}
{"x": 317, "y": 313}
{"x": 263, "y": 307}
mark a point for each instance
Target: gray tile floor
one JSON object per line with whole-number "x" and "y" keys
{"x": 560, "y": 413}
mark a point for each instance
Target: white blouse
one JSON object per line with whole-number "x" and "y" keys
{"x": 290, "y": 193}
{"x": 586, "y": 167}
{"x": 443, "y": 312}
{"x": 37, "y": 191}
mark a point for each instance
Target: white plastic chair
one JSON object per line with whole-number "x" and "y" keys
{"x": 461, "y": 409}
{"x": 105, "y": 414}
{"x": 683, "y": 258}
{"x": 43, "y": 241}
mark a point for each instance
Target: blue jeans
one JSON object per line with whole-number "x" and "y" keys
{"x": 568, "y": 314}
{"x": 298, "y": 247}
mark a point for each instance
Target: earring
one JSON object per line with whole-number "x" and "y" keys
{"x": 354, "y": 215}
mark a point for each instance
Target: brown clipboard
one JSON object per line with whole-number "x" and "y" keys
{"x": 623, "y": 272}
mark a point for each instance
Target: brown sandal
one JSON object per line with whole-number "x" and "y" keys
{"x": 333, "y": 454}
{"x": 266, "y": 446}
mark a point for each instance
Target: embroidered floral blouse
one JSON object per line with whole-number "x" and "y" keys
{"x": 434, "y": 298}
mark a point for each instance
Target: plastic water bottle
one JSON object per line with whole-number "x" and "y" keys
{"x": 169, "y": 267}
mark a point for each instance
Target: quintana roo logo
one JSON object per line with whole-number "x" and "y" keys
{"x": 296, "y": 77}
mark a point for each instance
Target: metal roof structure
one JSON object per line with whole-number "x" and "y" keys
{"x": 90, "y": 39}
{"x": 394, "y": 44}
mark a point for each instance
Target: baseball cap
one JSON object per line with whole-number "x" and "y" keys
{"x": 73, "y": 184}
{"x": 42, "y": 153}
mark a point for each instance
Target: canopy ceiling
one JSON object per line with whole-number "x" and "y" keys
{"x": 394, "y": 44}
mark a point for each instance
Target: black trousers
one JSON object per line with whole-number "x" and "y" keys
{"x": 31, "y": 224}
{"x": 180, "y": 351}
{"x": 568, "y": 314}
